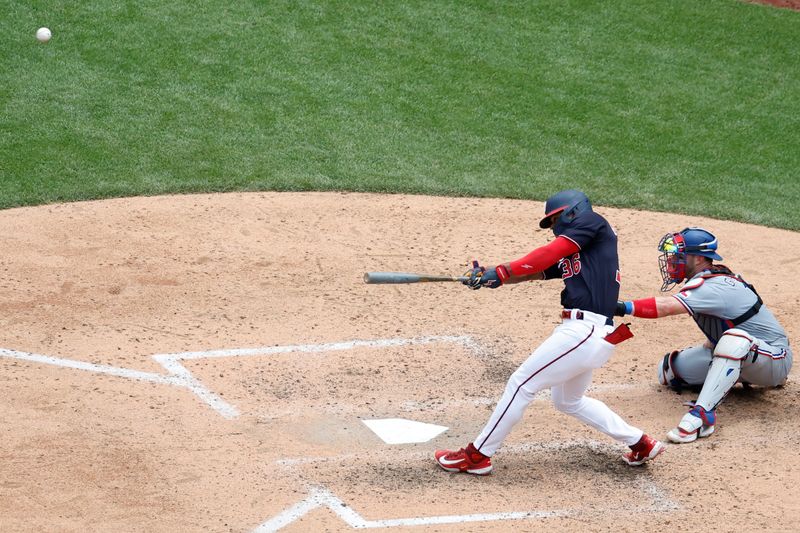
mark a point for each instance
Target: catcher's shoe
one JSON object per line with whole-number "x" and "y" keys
{"x": 696, "y": 423}
{"x": 647, "y": 448}
{"x": 467, "y": 460}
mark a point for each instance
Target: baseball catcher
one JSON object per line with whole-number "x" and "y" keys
{"x": 584, "y": 256}
{"x": 744, "y": 340}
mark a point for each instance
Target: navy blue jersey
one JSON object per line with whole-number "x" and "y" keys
{"x": 591, "y": 276}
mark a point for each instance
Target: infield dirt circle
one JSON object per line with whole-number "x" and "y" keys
{"x": 274, "y": 352}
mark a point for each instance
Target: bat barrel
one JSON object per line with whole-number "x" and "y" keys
{"x": 390, "y": 277}
{"x": 403, "y": 277}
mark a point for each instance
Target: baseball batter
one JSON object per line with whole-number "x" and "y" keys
{"x": 744, "y": 340}
{"x": 584, "y": 256}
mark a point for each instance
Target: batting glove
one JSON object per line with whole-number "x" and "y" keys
{"x": 480, "y": 276}
{"x": 474, "y": 276}
{"x": 491, "y": 279}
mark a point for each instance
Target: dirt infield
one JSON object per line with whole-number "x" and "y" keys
{"x": 273, "y": 351}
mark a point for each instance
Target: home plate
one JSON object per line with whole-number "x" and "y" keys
{"x": 402, "y": 431}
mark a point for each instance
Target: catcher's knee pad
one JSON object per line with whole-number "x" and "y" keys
{"x": 734, "y": 344}
{"x": 667, "y": 375}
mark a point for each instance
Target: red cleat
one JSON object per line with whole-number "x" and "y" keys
{"x": 467, "y": 460}
{"x": 647, "y": 448}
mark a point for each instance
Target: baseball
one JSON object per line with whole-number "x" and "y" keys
{"x": 43, "y": 34}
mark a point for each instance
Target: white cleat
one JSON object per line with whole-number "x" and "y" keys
{"x": 689, "y": 429}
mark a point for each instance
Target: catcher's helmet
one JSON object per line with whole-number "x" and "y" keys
{"x": 569, "y": 203}
{"x": 674, "y": 248}
{"x": 700, "y": 242}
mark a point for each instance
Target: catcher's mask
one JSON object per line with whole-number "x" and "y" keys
{"x": 674, "y": 248}
{"x": 569, "y": 204}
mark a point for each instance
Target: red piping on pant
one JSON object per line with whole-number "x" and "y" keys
{"x": 527, "y": 380}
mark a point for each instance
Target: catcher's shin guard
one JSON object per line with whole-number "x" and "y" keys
{"x": 726, "y": 366}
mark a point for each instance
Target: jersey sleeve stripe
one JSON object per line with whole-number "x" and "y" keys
{"x": 688, "y": 309}
{"x": 573, "y": 240}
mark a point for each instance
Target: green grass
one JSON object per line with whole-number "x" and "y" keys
{"x": 679, "y": 106}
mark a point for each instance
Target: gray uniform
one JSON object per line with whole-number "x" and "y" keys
{"x": 716, "y": 301}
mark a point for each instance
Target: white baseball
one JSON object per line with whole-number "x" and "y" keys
{"x": 43, "y": 34}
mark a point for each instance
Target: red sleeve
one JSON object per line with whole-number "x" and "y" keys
{"x": 542, "y": 258}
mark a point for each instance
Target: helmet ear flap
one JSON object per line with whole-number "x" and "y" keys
{"x": 572, "y": 213}
{"x": 570, "y": 203}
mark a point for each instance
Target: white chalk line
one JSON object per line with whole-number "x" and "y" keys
{"x": 180, "y": 376}
{"x": 214, "y": 401}
{"x": 320, "y": 497}
{"x": 172, "y": 362}
{"x": 327, "y": 347}
{"x": 92, "y": 367}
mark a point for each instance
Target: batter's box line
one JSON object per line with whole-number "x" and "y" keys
{"x": 180, "y": 376}
{"x": 321, "y": 497}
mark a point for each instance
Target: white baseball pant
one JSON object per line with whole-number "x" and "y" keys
{"x": 564, "y": 362}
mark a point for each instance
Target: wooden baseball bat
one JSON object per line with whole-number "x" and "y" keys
{"x": 407, "y": 277}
